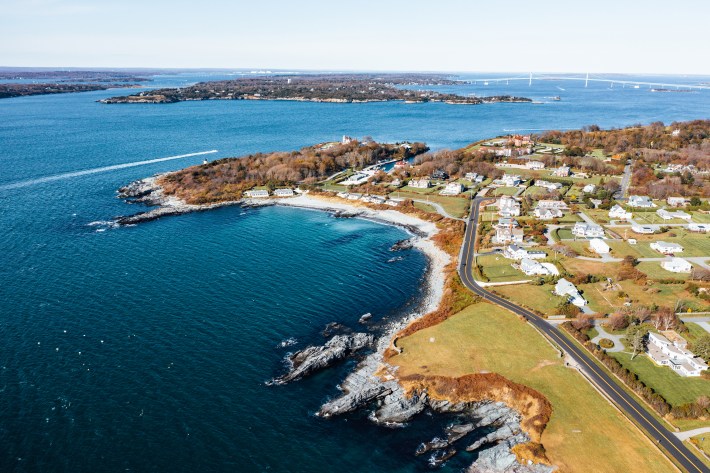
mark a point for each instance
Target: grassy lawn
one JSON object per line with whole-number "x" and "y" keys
{"x": 694, "y": 244}
{"x": 654, "y": 271}
{"x": 675, "y": 389}
{"x": 699, "y": 217}
{"x": 583, "y": 426}
{"x": 582, "y": 247}
{"x": 425, "y": 207}
{"x": 538, "y": 298}
{"x": 702, "y": 441}
{"x": 641, "y": 249}
{"x": 535, "y": 190}
{"x": 456, "y": 206}
{"x": 564, "y": 234}
{"x": 498, "y": 269}
{"x": 503, "y": 191}
{"x": 652, "y": 217}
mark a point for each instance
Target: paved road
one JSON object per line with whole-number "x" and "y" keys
{"x": 657, "y": 432}
{"x": 625, "y": 180}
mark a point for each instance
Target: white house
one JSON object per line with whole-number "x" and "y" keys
{"x": 550, "y": 186}
{"x": 531, "y": 267}
{"x": 589, "y": 189}
{"x": 508, "y": 207}
{"x": 641, "y": 201}
{"x": 677, "y": 201}
{"x": 618, "y": 212}
{"x": 511, "y": 180}
{"x": 535, "y": 165}
{"x": 547, "y": 214}
{"x": 452, "y": 188}
{"x": 420, "y": 183}
{"x": 664, "y": 214}
{"x": 587, "y": 230}
{"x": 517, "y": 253}
{"x": 674, "y": 355}
{"x": 471, "y": 176}
{"x": 257, "y": 193}
{"x": 677, "y": 265}
{"x": 642, "y": 229}
{"x": 599, "y": 246}
{"x": 682, "y": 215}
{"x": 552, "y": 204}
{"x": 566, "y": 288}
{"x": 699, "y": 227}
{"x": 562, "y": 171}
{"x": 666, "y": 248}
{"x": 283, "y": 192}
{"x": 509, "y": 235}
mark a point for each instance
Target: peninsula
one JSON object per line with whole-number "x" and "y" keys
{"x": 23, "y": 89}
{"x": 468, "y": 351}
{"x": 339, "y": 88}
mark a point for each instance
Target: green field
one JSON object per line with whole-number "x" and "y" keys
{"x": 539, "y": 298}
{"x": 675, "y": 389}
{"x": 641, "y": 249}
{"x": 498, "y": 269}
{"x": 563, "y": 234}
{"x": 702, "y": 441}
{"x": 503, "y": 191}
{"x": 456, "y": 206}
{"x": 654, "y": 271}
{"x": 583, "y": 426}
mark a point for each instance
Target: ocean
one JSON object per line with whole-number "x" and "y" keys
{"x": 148, "y": 348}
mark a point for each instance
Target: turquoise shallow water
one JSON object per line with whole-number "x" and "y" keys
{"x": 147, "y": 348}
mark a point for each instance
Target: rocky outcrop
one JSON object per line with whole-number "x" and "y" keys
{"x": 315, "y": 358}
{"x": 402, "y": 245}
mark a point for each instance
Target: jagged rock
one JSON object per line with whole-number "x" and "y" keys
{"x": 499, "y": 459}
{"x": 396, "y": 408}
{"x": 346, "y": 214}
{"x": 333, "y": 328}
{"x": 314, "y": 358}
{"x": 434, "y": 444}
{"x": 439, "y": 458}
{"x": 364, "y": 318}
{"x": 402, "y": 245}
{"x": 508, "y": 432}
{"x": 458, "y": 431}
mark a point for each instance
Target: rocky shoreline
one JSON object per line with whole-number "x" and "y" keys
{"x": 373, "y": 385}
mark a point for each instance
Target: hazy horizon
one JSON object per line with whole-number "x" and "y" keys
{"x": 458, "y": 36}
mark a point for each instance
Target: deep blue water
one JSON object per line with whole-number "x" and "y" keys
{"x": 147, "y": 348}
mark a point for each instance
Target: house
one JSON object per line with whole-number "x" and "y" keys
{"x": 396, "y": 182}
{"x": 566, "y": 288}
{"x": 641, "y": 201}
{"x": 599, "y": 246}
{"x": 535, "y": 165}
{"x": 507, "y": 221}
{"x": 552, "y": 204}
{"x": 511, "y": 180}
{"x": 347, "y": 139}
{"x": 664, "y": 214}
{"x": 682, "y": 215}
{"x": 677, "y": 201}
{"x": 354, "y": 196}
{"x": 589, "y": 189}
{"x": 283, "y": 192}
{"x": 257, "y": 193}
{"x": 508, "y": 235}
{"x": 699, "y": 227}
{"x": 587, "y": 230}
{"x": 666, "y": 248}
{"x": 550, "y": 186}
{"x": 674, "y": 355}
{"x": 471, "y": 176}
{"x": 517, "y": 253}
{"x": 547, "y": 214}
{"x": 531, "y": 268}
{"x": 452, "y": 188}
{"x": 618, "y": 212}
{"x": 508, "y": 207}
{"x": 632, "y": 241}
{"x": 420, "y": 183}
{"x": 439, "y": 174}
{"x": 562, "y": 171}
{"x": 479, "y": 179}
{"x": 643, "y": 229}
{"x": 677, "y": 265}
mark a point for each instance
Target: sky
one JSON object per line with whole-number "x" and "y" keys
{"x": 601, "y": 36}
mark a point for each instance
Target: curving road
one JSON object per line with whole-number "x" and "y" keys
{"x": 656, "y": 431}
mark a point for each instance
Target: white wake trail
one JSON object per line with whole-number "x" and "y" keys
{"x": 69, "y": 175}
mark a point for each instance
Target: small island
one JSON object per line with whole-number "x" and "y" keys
{"x": 339, "y": 88}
